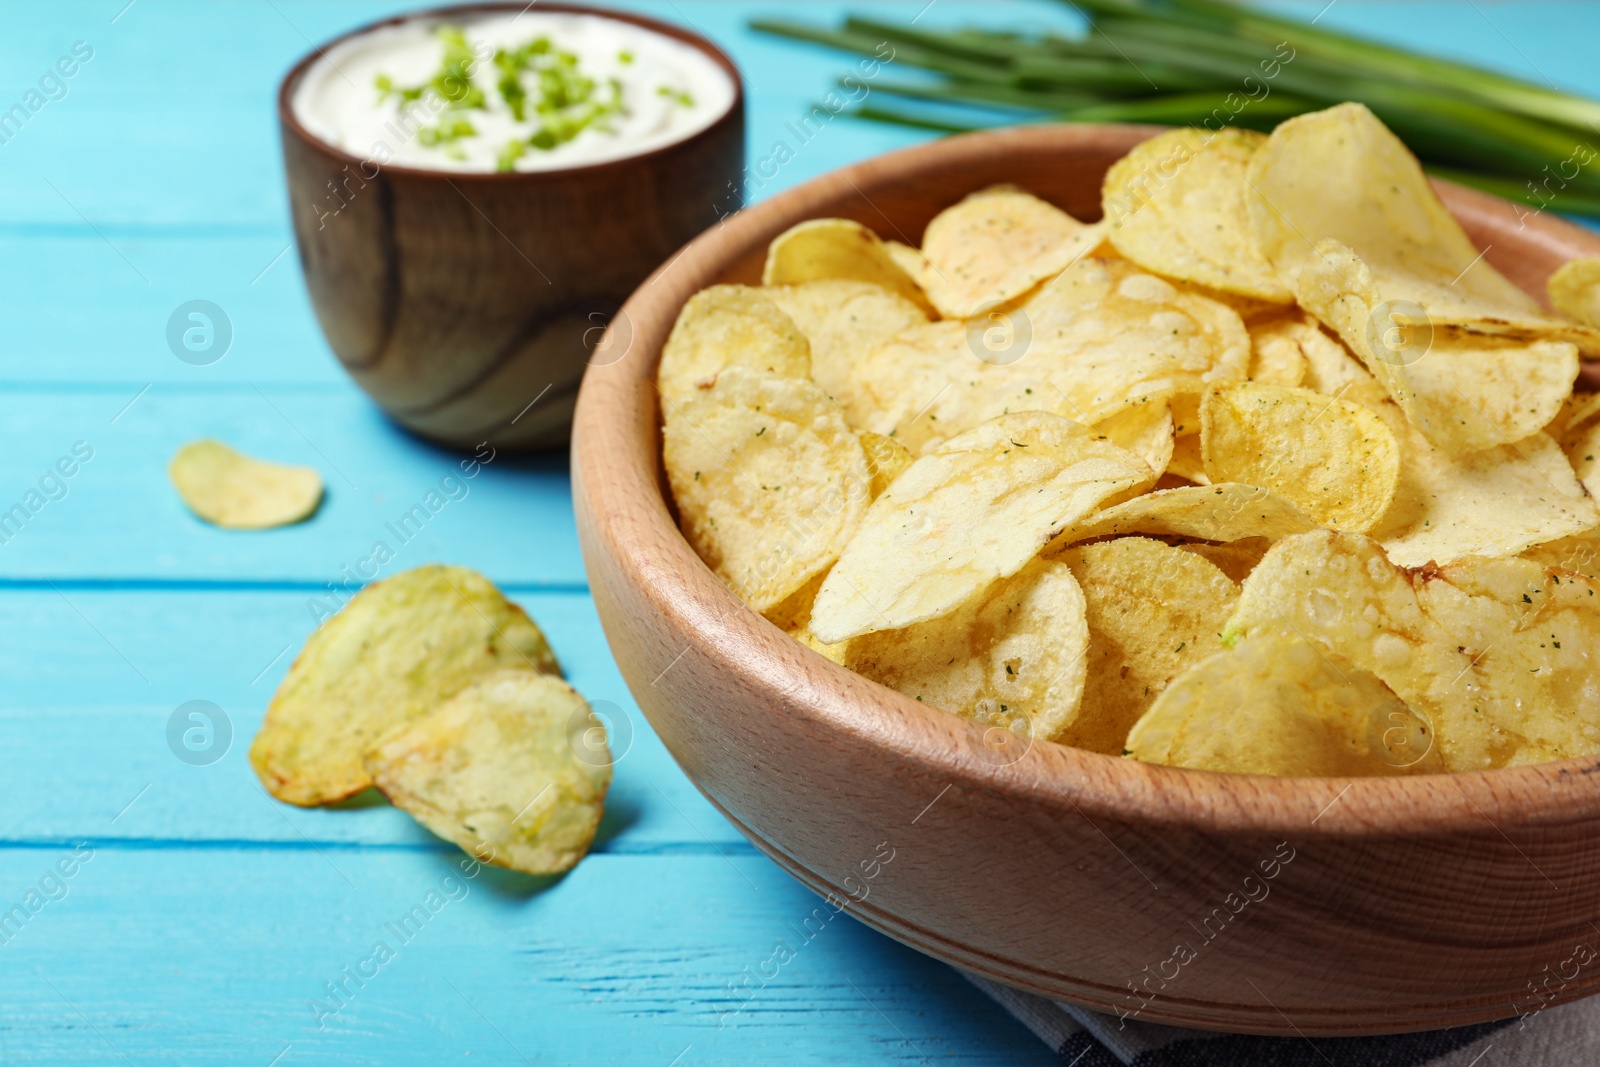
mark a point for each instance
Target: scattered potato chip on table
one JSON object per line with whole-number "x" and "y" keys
{"x": 397, "y": 650}
{"x": 226, "y": 488}
{"x": 514, "y": 769}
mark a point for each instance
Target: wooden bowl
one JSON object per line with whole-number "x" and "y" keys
{"x": 1229, "y": 902}
{"x": 468, "y": 304}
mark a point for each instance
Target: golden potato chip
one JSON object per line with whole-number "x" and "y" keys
{"x": 1341, "y": 174}
{"x": 1153, "y": 611}
{"x": 513, "y": 769}
{"x": 974, "y": 511}
{"x": 1176, "y": 206}
{"x": 228, "y": 489}
{"x": 1496, "y": 502}
{"x": 1186, "y": 462}
{"x": 1579, "y": 554}
{"x": 1012, "y": 657}
{"x": 1143, "y": 428}
{"x": 837, "y": 250}
{"x": 1583, "y": 452}
{"x": 1236, "y": 559}
{"x": 1574, "y": 290}
{"x": 887, "y": 459}
{"x": 1464, "y": 392}
{"x": 1100, "y": 312}
{"x": 1575, "y": 415}
{"x": 1529, "y": 633}
{"x": 769, "y": 480}
{"x": 397, "y": 650}
{"x": 1101, "y": 336}
{"x": 1275, "y": 704}
{"x": 996, "y": 245}
{"x": 1221, "y": 512}
{"x": 728, "y": 326}
{"x": 1277, "y": 347}
{"x": 843, "y": 321}
{"x": 926, "y": 385}
{"x": 911, "y": 260}
{"x": 1493, "y": 653}
{"x": 1334, "y": 459}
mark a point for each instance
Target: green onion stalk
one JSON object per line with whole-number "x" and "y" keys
{"x": 1216, "y": 62}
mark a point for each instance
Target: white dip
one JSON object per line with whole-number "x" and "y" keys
{"x": 445, "y": 95}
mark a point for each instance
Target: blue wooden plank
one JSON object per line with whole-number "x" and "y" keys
{"x": 137, "y": 279}
{"x": 120, "y": 517}
{"x": 215, "y": 956}
{"x": 96, "y": 677}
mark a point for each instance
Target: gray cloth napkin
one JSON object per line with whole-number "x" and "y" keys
{"x": 1553, "y": 1037}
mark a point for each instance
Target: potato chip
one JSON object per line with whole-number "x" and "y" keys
{"x": 1186, "y": 462}
{"x": 1176, "y": 206}
{"x": 1334, "y": 459}
{"x": 1574, "y": 290}
{"x": 1342, "y": 174}
{"x": 1502, "y": 679}
{"x": 843, "y": 321}
{"x": 1577, "y": 412}
{"x": 1579, "y": 554}
{"x": 1012, "y": 657}
{"x": 996, "y": 245}
{"x": 397, "y": 650}
{"x": 838, "y": 250}
{"x": 1153, "y": 611}
{"x": 1145, "y": 429}
{"x": 1277, "y": 347}
{"x": 228, "y": 489}
{"x": 1529, "y": 633}
{"x": 513, "y": 769}
{"x": 1464, "y": 392}
{"x": 728, "y": 326}
{"x": 911, "y": 260}
{"x": 1236, "y": 559}
{"x": 1225, "y": 512}
{"x": 1583, "y": 452}
{"x": 769, "y": 480}
{"x": 1275, "y": 704}
{"x": 1101, "y": 336}
{"x": 1496, "y": 502}
{"x": 974, "y": 511}
{"x": 887, "y": 459}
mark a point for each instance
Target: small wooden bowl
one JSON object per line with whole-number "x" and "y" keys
{"x": 468, "y": 304}
{"x": 1274, "y": 906}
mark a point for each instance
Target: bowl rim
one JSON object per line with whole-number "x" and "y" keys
{"x": 291, "y": 123}
{"x": 616, "y": 444}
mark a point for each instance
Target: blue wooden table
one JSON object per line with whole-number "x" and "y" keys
{"x": 169, "y": 911}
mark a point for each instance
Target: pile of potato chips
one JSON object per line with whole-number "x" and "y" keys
{"x": 1269, "y": 471}
{"x": 434, "y": 687}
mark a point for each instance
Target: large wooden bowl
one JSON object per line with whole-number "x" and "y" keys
{"x": 1312, "y": 906}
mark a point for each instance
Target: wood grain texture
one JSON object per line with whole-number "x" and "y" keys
{"x": 1393, "y": 904}
{"x": 457, "y": 299}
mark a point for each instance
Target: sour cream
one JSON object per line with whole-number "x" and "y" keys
{"x": 609, "y": 89}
